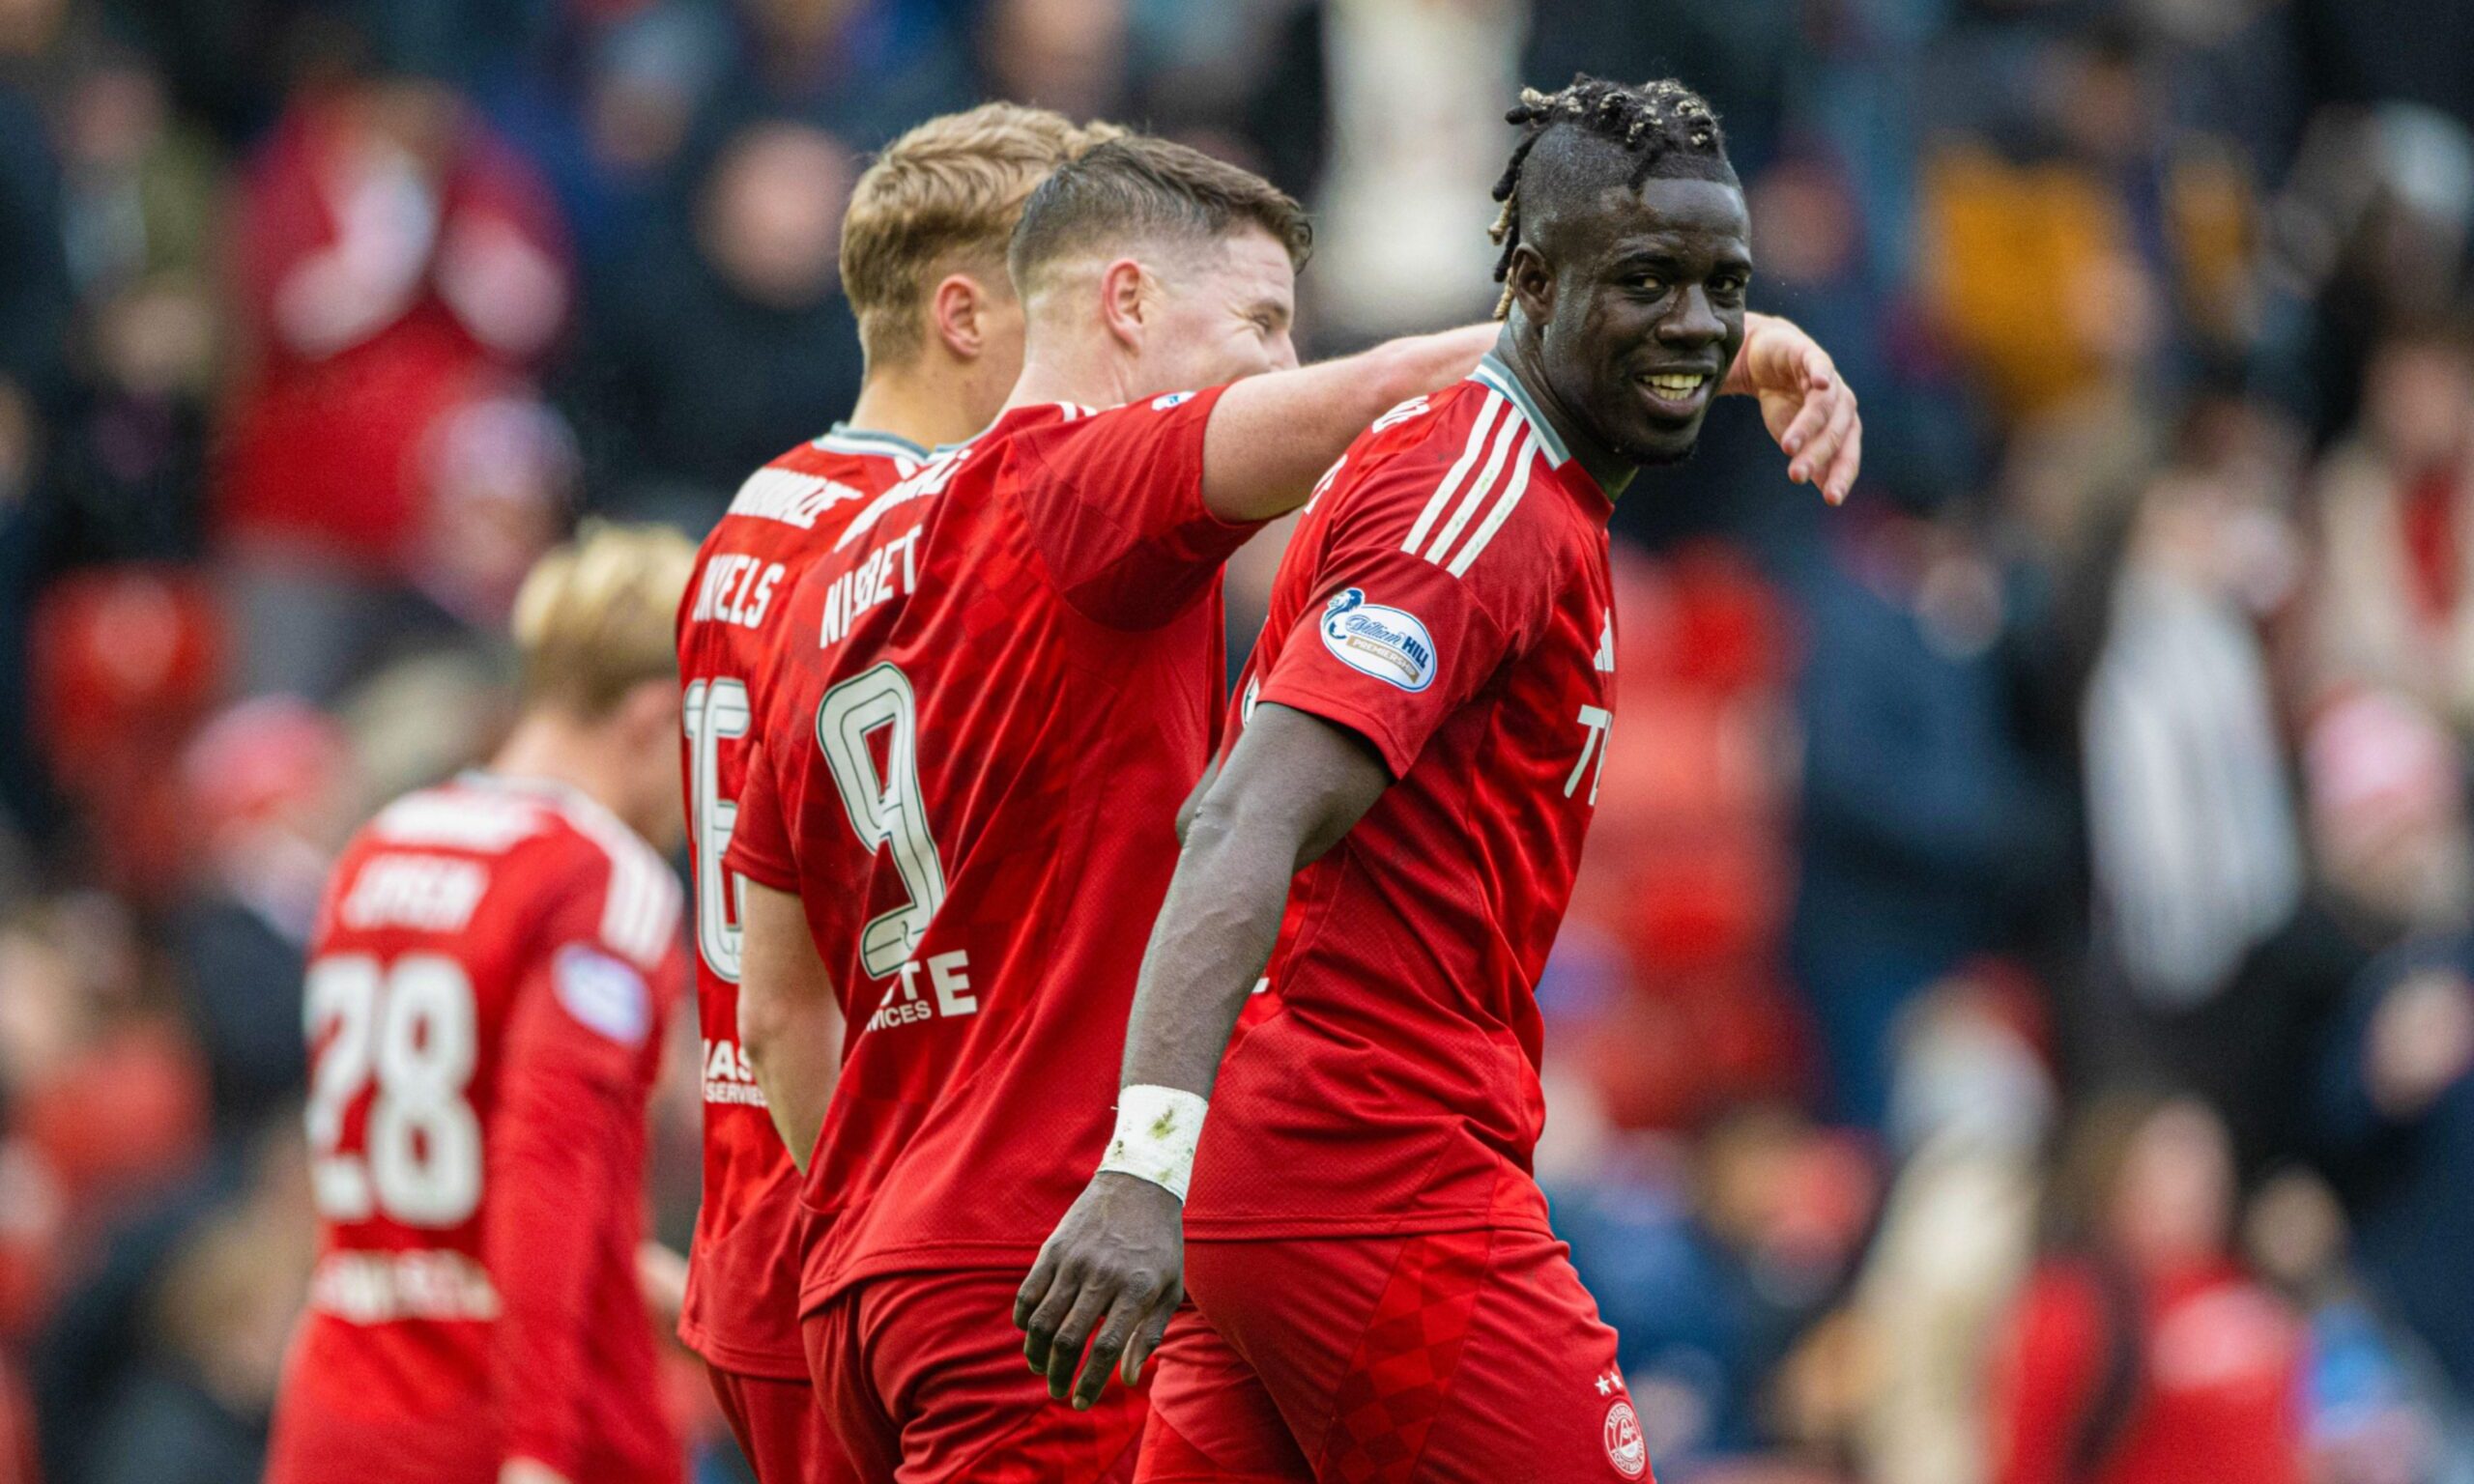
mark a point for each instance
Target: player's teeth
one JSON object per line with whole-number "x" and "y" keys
{"x": 1677, "y": 385}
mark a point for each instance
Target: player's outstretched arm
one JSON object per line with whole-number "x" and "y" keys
{"x": 789, "y": 1025}
{"x": 1807, "y": 406}
{"x": 1113, "y": 1270}
{"x": 1271, "y": 436}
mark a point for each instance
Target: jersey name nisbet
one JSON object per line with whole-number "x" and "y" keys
{"x": 888, "y": 572}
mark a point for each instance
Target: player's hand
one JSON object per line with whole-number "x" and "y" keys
{"x": 528, "y": 1470}
{"x": 661, "y": 1277}
{"x": 1807, "y": 407}
{"x": 1115, "y": 1266}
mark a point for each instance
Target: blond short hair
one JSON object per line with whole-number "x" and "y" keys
{"x": 596, "y": 618}
{"x": 941, "y": 199}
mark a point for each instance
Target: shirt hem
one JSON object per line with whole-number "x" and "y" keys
{"x": 1278, "y": 1228}
{"x": 763, "y": 871}
{"x": 789, "y": 1363}
{"x": 925, "y": 1257}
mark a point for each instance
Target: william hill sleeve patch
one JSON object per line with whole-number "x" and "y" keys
{"x": 1389, "y": 644}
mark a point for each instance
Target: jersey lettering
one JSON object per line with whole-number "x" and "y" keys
{"x": 425, "y": 892}
{"x": 737, "y": 590}
{"x": 874, "y": 581}
{"x": 886, "y": 809}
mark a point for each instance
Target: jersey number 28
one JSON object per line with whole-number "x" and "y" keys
{"x": 407, "y": 1027}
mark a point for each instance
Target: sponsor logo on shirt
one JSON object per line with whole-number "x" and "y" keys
{"x": 377, "y": 1288}
{"x": 1385, "y": 642}
{"x": 728, "y": 1077}
{"x": 603, "y": 993}
{"x": 948, "y": 976}
{"x": 1172, "y": 399}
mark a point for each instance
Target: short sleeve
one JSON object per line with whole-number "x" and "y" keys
{"x": 1116, "y": 501}
{"x": 761, "y": 848}
{"x": 1395, "y": 639}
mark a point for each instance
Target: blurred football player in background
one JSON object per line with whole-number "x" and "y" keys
{"x": 492, "y": 969}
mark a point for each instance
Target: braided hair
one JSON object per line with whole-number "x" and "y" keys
{"x": 1666, "y": 127}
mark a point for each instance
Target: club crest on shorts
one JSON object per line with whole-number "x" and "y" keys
{"x": 1626, "y": 1448}
{"x": 1385, "y": 642}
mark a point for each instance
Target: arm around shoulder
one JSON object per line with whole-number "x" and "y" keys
{"x": 1271, "y": 436}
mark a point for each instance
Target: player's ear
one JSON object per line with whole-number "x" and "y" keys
{"x": 649, "y": 711}
{"x": 956, "y": 315}
{"x": 1122, "y": 300}
{"x": 1531, "y": 283}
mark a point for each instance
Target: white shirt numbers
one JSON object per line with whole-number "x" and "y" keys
{"x": 1598, "y": 720}
{"x": 409, "y": 1029}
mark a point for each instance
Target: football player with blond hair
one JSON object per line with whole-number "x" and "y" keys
{"x": 923, "y": 263}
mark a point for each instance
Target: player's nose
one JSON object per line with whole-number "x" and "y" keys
{"x": 1693, "y": 321}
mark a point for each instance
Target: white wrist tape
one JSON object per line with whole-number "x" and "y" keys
{"x": 1157, "y": 1131}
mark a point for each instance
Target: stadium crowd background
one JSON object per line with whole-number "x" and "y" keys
{"x": 2094, "y": 783}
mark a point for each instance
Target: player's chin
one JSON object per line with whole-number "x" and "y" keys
{"x": 1653, "y": 444}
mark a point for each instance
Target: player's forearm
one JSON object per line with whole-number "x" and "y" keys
{"x": 1272, "y": 436}
{"x": 789, "y": 1025}
{"x": 793, "y": 1045}
{"x": 1215, "y": 932}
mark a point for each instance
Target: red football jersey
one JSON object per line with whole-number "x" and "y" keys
{"x": 494, "y": 965}
{"x": 1005, "y": 679}
{"x": 1448, "y": 597}
{"x": 743, "y": 1271}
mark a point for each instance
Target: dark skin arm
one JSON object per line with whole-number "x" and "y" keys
{"x": 1113, "y": 1270}
{"x": 1193, "y": 805}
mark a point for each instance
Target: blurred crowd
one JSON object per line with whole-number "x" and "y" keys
{"x": 2016, "y": 1024}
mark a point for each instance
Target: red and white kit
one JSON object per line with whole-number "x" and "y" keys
{"x": 742, "y": 1309}
{"x": 1379, "y": 1295}
{"x": 493, "y": 967}
{"x": 1006, "y": 678}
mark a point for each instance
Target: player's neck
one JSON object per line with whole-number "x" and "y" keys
{"x": 1518, "y": 352}
{"x": 923, "y": 404}
{"x": 1091, "y": 375}
{"x": 551, "y": 747}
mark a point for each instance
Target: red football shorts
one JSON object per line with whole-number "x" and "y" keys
{"x": 923, "y": 1381}
{"x": 1463, "y": 1357}
{"x": 780, "y": 1429}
